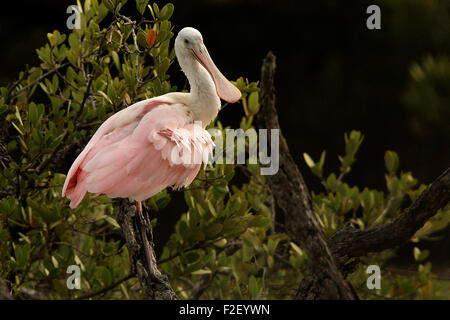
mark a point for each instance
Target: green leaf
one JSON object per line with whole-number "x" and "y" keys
{"x": 116, "y": 60}
{"x": 166, "y": 12}
{"x": 105, "y": 96}
{"x": 253, "y": 104}
{"x": 391, "y": 161}
{"x": 142, "y": 39}
{"x": 17, "y": 128}
{"x": 33, "y": 113}
{"x": 262, "y": 222}
{"x": 55, "y": 262}
{"x": 74, "y": 41}
{"x": 200, "y": 272}
{"x": 156, "y": 9}
{"x": 211, "y": 208}
{"x": 112, "y": 222}
{"x": 308, "y": 160}
{"x": 105, "y": 275}
{"x": 296, "y": 248}
{"x": 254, "y": 287}
{"x": 22, "y": 254}
{"x": 213, "y": 230}
{"x": 420, "y": 255}
{"x": 109, "y": 4}
{"x": 4, "y": 93}
{"x": 182, "y": 228}
{"x": 322, "y": 159}
{"x": 140, "y": 5}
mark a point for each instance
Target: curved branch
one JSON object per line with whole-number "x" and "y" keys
{"x": 349, "y": 242}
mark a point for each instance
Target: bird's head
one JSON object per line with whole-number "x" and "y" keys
{"x": 190, "y": 49}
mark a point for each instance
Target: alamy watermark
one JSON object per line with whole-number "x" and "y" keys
{"x": 74, "y": 281}
{"x": 373, "y": 281}
{"x": 73, "y": 21}
{"x": 374, "y": 20}
{"x": 257, "y": 148}
{"x": 229, "y": 148}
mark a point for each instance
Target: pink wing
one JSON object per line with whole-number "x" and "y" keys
{"x": 138, "y": 152}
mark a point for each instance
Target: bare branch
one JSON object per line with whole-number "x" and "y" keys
{"x": 350, "y": 242}
{"x": 106, "y": 289}
{"x": 292, "y": 196}
{"x": 37, "y": 80}
{"x": 201, "y": 286}
{"x": 154, "y": 284}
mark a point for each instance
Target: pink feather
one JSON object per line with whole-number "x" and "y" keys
{"x": 133, "y": 153}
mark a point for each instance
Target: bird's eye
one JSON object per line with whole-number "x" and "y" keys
{"x": 186, "y": 41}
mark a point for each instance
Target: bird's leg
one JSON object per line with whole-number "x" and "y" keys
{"x": 143, "y": 224}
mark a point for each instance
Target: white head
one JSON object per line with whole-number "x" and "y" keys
{"x": 190, "y": 50}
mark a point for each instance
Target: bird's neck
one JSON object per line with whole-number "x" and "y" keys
{"x": 205, "y": 103}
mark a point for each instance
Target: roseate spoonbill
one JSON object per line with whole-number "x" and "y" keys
{"x": 131, "y": 155}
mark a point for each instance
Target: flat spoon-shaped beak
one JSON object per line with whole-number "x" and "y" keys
{"x": 225, "y": 89}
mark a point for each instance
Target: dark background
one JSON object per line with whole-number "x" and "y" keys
{"x": 333, "y": 75}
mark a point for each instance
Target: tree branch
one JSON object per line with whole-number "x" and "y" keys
{"x": 106, "y": 289}
{"x": 201, "y": 286}
{"x": 37, "y": 80}
{"x": 23, "y": 294}
{"x": 292, "y": 196}
{"x": 154, "y": 284}
{"x": 350, "y": 242}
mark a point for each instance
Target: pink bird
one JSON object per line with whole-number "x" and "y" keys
{"x": 155, "y": 143}
{"x": 158, "y": 142}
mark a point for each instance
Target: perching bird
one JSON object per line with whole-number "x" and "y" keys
{"x": 155, "y": 143}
